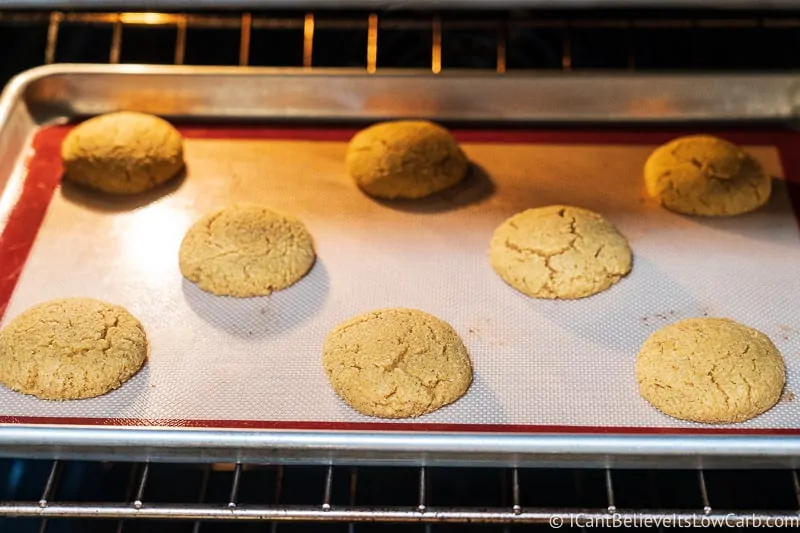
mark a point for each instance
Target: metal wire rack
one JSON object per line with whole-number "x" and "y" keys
{"x": 499, "y": 42}
{"x": 122, "y": 496}
{"x": 196, "y": 496}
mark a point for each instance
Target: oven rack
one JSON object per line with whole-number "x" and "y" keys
{"x": 241, "y": 493}
{"x": 495, "y": 41}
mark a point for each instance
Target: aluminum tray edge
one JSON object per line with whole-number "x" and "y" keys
{"x": 397, "y": 448}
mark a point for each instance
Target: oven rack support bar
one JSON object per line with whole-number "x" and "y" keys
{"x": 224, "y": 512}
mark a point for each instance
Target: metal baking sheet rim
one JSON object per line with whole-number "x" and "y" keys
{"x": 19, "y": 120}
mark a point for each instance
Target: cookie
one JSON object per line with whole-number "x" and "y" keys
{"x": 396, "y": 363}
{"x": 405, "y": 159}
{"x": 711, "y": 370}
{"x": 703, "y": 175}
{"x": 559, "y": 252}
{"x": 246, "y": 250}
{"x": 122, "y": 153}
{"x": 71, "y": 348}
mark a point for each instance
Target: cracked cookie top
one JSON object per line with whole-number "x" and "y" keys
{"x": 559, "y": 252}
{"x": 711, "y": 370}
{"x": 246, "y": 250}
{"x": 122, "y": 153}
{"x": 405, "y": 159}
{"x": 703, "y": 175}
{"x": 396, "y": 363}
{"x": 71, "y": 348}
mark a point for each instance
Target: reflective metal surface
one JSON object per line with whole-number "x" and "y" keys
{"x": 64, "y": 91}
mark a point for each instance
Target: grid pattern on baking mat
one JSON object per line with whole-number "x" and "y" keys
{"x": 540, "y": 366}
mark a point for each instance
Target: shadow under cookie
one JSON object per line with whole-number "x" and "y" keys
{"x": 479, "y": 405}
{"x": 263, "y": 315}
{"x": 127, "y": 401}
{"x": 624, "y": 315}
{"x": 479, "y": 398}
{"x": 476, "y": 187}
{"x": 768, "y": 222}
{"x": 112, "y": 203}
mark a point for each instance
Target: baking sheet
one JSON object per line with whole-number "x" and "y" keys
{"x": 539, "y": 365}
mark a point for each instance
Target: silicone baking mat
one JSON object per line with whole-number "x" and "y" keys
{"x": 540, "y": 366}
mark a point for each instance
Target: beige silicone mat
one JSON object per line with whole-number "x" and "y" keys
{"x": 536, "y": 362}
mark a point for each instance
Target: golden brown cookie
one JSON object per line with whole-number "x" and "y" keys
{"x": 396, "y": 363}
{"x": 71, "y": 348}
{"x": 559, "y": 252}
{"x": 122, "y": 153}
{"x": 405, "y": 159}
{"x": 246, "y": 250}
{"x": 710, "y": 370}
{"x": 703, "y": 175}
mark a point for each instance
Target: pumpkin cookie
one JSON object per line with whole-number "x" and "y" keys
{"x": 396, "y": 363}
{"x": 710, "y": 370}
{"x": 122, "y": 153}
{"x": 559, "y": 252}
{"x": 71, "y": 348}
{"x": 246, "y": 250}
{"x": 405, "y": 159}
{"x": 703, "y": 175}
